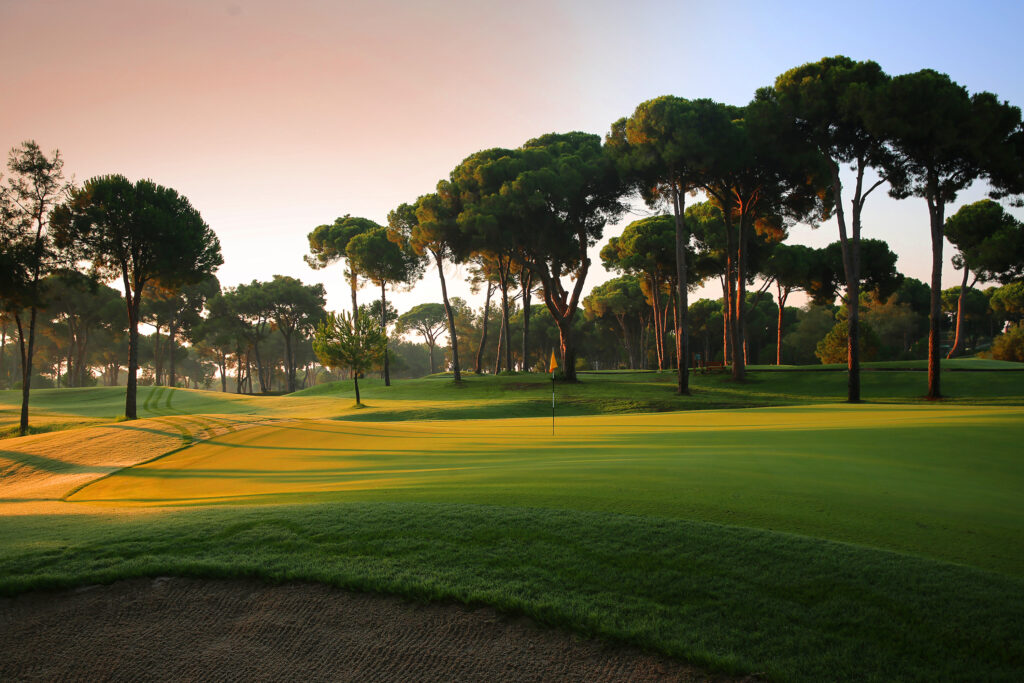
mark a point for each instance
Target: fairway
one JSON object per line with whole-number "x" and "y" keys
{"x": 890, "y": 477}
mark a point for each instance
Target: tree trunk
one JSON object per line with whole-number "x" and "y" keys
{"x": 739, "y": 369}
{"x": 355, "y": 381}
{"x": 526, "y": 280}
{"x": 172, "y": 378}
{"x": 567, "y": 348}
{"x": 452, "y": 336}
{"x": 353, "y": 281}
{"x": 726, "y": 308}
{"x": 682, "y": 309}
{"x": 659, "y": 327}
{"x": 478, "y": 369}
{"x": 27, "y": 351}
{"x": 958, "y": 339}
{"x": 289, "y": 364}
{"x": 503, "y": 273}
{"x": 3, "y": 354}
{"x": 851, "y": 267}
{"x": 80, "y": 364}
{"x": 223, "y": 371}
{"x": 497, "y": 354}
{"x": 238, "y": 370}
{"x": 158, "y": 358}
{"x": 936, "y": 209}
{"x": 625, "y": 339}
{"x": 782, "y": 306}
{"x": 384, "y": 329}
{"x": 131, "y": 391}
{"x": 260, "y": 373}
{"x": 430, "y": 347}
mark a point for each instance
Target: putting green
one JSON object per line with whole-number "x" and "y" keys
{"x": 943, "y": 481}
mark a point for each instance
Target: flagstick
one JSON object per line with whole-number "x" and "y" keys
{"x": 552, "y": 364}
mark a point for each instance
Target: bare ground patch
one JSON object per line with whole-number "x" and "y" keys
{"x": 188, "y": 629}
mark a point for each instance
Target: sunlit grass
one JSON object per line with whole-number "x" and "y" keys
{"x": 877, "y": 475}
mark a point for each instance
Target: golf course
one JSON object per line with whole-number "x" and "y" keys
{"x": 760, "y": 528}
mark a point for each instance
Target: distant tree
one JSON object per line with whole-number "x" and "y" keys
{"x": 813, "y": 323}
{"x": 140, "y": 233}
{"x": 328, "y": 244}
{"x": 488, "y": 221}
{"x": 373, "y": 309}
{"x": 830, "y": 101}
{"x": 661, "y": 148}
{"x": 969, "y": 311}
{"x": 176, "y": 309}
{"x": 221, "y": 333}
{"x": 566, "y": 189}
{"x": 28, "y": 252}
{"x": 877, "y": 272}
{"x": 944, "y": 139}
{"x": 251, "y": 304}
{"x": 760, "y": 174}
{"x": 705, "y": 318}
{"x": 429, "y": 226}
{"x": 341, "y": 342}
{"x": 647, "y": 248}
{"x": 915, "y": 294}
{"x": 1010, "y": 344}
{"x": 427, "y": 319}
{"x": 792, "y": 267}
{"x": 479, "y": 278}
{"x": 896, "y": 322}
{"x": 621, "y": 299}
{"x": 832, "y": 349}
{"x": 294, "y": 308}
{"x": 82, "y": 305}
{"x": 1008, "y": 301}
{"x": 383, "y": 261}
{"x": 989, "y": 243}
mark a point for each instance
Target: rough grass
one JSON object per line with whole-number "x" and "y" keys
{"x": 730, "y": 598}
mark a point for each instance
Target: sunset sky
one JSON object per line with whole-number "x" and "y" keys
{"x": 273, "y": 117}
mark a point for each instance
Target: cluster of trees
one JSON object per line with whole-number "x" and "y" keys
{"x": 521, "y": 221}
{"x": 143, "y": 235}
{"x": 524, "y": 218}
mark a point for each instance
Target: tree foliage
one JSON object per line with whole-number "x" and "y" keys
{"x": 139, "y": 233}
{"x": 342, "y": 341}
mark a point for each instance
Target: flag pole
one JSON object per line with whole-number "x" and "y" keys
{"x": 552, "y": 364}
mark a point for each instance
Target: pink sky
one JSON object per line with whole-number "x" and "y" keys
{"x": 276, "y": 117}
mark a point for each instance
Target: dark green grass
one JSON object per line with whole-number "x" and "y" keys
{"x": 732, "y": 599}
{"x": 529, "y": 395}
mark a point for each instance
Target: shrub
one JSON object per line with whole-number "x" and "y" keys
{"x": 1010, "y": 344}
{"x": 832, "y": 348}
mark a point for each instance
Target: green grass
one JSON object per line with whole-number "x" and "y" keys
{"x": 883, "y": 476}
{"x": 529, "y": 395}
{"x": 805, "y": 539}
{"x": 730, "y": 598}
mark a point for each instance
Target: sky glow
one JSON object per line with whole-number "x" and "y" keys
{"x": 274, "y": 117}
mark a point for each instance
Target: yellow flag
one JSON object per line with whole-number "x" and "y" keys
{"x": 553, "y": 365}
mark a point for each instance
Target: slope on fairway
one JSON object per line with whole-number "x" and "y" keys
{"x": 36, "y": 471}
{"x": 892, "y": 477}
